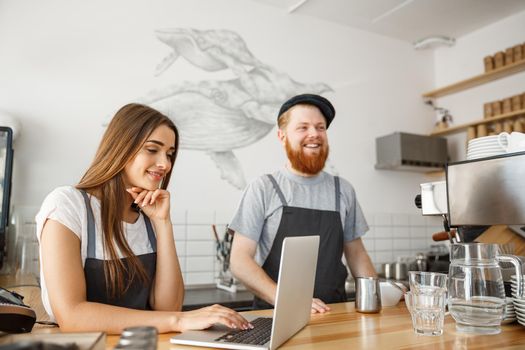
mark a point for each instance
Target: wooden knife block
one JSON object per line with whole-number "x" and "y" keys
{"x": 502, "y": 234}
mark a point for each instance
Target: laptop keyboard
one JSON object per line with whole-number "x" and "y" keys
{"x": 259, "y": 335}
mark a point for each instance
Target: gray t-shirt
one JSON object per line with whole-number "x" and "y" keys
{"x": 259, "y": 212}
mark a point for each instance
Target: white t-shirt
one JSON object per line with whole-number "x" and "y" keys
{"x": 66, "y": 205}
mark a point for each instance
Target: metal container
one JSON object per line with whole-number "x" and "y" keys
{"x": 142, "y": 337}
{"x": 421, "y": 262}
{"x": 404, "y": 151}
{"x": 487, "y": 191}
{"x": 396, "y": 271}
{"x": 401, "y": 271}
{"x": 389, "y": 270}
{"x": 367, "y": 295}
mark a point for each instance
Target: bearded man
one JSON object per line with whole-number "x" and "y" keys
{"x": 300, "y": 200}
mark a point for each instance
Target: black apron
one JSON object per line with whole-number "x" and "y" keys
{"x": 331, "y": 273}
{"x": 137, "y": 295}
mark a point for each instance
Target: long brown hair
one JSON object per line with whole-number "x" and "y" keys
{"x": 126, "y": 134}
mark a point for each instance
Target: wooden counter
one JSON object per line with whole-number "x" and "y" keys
{"x": 343, "y": 328}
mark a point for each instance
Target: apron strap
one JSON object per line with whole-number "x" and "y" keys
{"x": 90, "y": 227}
{"x": 337, "y": 194}
{"x": 151, "y": 234}
{"x": 278, "y": 189}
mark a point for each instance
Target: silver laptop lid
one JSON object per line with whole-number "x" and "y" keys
{"x": 295, "y": 287}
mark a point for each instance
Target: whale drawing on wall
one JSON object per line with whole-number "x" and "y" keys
{"x": 219, "y": 116}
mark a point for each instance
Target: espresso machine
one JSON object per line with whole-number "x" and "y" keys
{"x": 485, "y": 278}
{"x": 487, "y": 191}
{"x": 475, "y": 195}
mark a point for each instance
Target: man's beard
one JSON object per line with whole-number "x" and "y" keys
{"x": 307, "y": 164}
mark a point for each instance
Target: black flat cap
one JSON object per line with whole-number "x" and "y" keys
{"x": 326, "y": 108}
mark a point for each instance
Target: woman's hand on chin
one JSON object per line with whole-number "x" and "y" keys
{"x": 155, "y": 204}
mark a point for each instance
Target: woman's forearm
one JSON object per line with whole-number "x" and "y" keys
{"x": 168, "y": 288}
{"x": 96, "y": 317}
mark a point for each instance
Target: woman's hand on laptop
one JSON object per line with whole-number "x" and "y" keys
{"x": 318, "y": 306}
{"x": 207, "y": 316}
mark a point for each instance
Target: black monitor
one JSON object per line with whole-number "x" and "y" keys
{"x": 6, "y": 170}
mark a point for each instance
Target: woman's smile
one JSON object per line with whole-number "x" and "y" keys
{"x": 156, "y": 175}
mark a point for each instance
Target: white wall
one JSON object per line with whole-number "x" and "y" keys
{"x": 66, "y": 66}
{"x": 465, "y": 60}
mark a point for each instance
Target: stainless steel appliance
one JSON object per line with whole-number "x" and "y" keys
{"x": 404, "y": 151}
{"x": 433, "y": 198}
{"x": 367, "y": 295}
{"x": 487, "y": 191}
{"x": 397, "y": 271}
{"x": 481, "y": 192}
{"x": 477, "y": 193}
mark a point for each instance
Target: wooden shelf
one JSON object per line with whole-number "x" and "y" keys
{"x": 460, "y": 128}
{"x": 478, "y": 80}
{"x": 435, "y": 174}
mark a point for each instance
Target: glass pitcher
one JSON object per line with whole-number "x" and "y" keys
{"x": 476, "y": 297}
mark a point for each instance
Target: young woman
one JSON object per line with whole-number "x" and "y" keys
{"x": 108, "y": 257}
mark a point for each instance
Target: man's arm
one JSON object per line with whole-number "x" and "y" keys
{"x": 358, "y": 260}
{"x": 244, "y": 267}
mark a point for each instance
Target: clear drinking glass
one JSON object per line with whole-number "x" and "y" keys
{"x": 427, "y": 282}
{"x": 475, "y": 286}
{"x": 27, "y": 256}
{"x": 427, "y": 311}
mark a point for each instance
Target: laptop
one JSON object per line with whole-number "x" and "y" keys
{"x": 295, "y": 289}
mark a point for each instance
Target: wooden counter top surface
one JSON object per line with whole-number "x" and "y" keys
{"x": 343, "y": 328}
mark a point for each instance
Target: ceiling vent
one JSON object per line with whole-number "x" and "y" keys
{"x": 432, "y": 42}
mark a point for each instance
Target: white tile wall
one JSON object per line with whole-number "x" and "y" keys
{"x": 390, "y": 237}
{"x": 203, "y": 217}
{"x": 400, "y": 220}
{"x": 398, "y": 235}
{"x": 383, "y": 257}
{"x": 193, "y": 278}
{"x": 401, "y": 244}
{"x": 401, "y": 231}
{"x": 199, "y": 232}
{"x": 199, "y": 263}
{"x": 181, "y": 247}
{"x": 179, "y": 217}
{"x": 381, "y": 219}
{"x": 200, "y": 248}
{"x": 179, "y": 231}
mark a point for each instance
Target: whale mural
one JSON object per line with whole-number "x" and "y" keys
{"x": 219, "y": 116}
